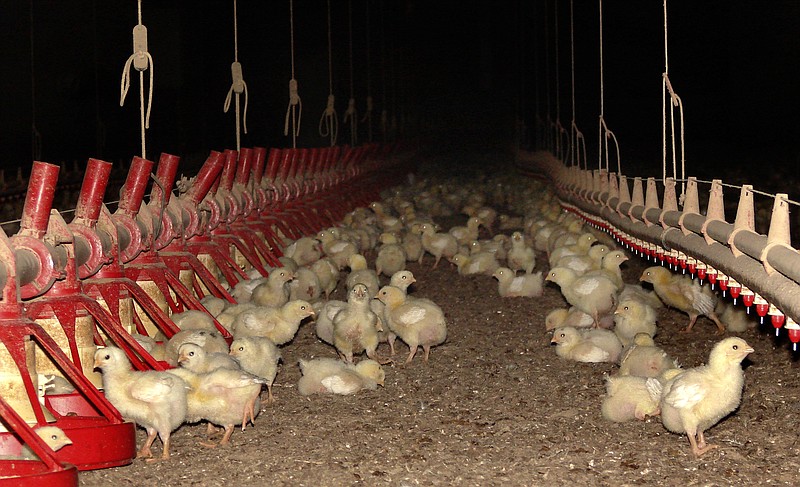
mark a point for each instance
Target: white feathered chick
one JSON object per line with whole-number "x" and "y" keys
{"x": 512, "y": 286}
{"x": 331, "y": 376}
{"x": 596, "y": 345}
{"x": 258, "y": 356}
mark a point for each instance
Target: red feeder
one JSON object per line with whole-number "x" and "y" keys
{"x": 735, "y": 289}
{"x": 794, "y": 332}
{"x": 762, "y": 307}
{"x": 777, "y": 318}
{"x": 722, "y": 280}
{"x": 748, "y": 297}
{"x": 701, "y": 271}
{"x": 691, "y": 266}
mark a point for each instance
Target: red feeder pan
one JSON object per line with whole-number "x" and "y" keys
{"x": 777, "y": 317}
{"x": 735, "y": 289}
{"x": 794, "y": 332}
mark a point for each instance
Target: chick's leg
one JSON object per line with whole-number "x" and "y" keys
{"x": 412, "y": 350}
{"x": 145, "y": 451}
{"x": 427, "y": 349}
{"x": 699, "y": 445}
{"x": 692, "y": 320}
{"x": 720, "y": 326}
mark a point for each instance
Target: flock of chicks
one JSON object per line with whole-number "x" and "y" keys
{"x": 222, "y": 385}
{"x": 613, "y": 321}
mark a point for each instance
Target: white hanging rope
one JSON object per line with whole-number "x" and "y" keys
{"x": 294, "y": 110}
{"x": 604, "y": 133}
{"x": 351, "y": 115}
{"x": 238, "y": 85}
{"x": 141, "y": 60}
{"x": 576, "y": 136}
{"x": 674, "y": 101}
{"x": 370, "y": 104}
{"x": 329, "y": 121}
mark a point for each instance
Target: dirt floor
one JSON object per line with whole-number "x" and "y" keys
{"x": 494, "y": 406}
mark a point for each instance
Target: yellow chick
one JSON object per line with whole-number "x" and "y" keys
{"x": 274, "y": 292}
{"x": 697, "y": 398}
{"x": 580, "y": 247}
{"x": 508, "y": 222}
{"x": 211, "y": 342}
{"x": 584, "y": 263}
{"x": 466, "y": 234}
{"x": 53, "y": 436}
{"x": 194, "y": 358}
{"x": 563, "y": 317}
{"x": 223, "y": 397}
{"x": 595, "y": 345}
{"x": 417, "y": 322}
{"x": 155, "y": 400}
{"x": 229, "y": 314}
{"x": 243, "y": 290}
{"x": 331, "y": 376}
{"x": 637, "y": 292}
{"x": 412, "y": 244}
{"x": 632, "y": 317}
{"x": 521, "y": 256}
{"x": 438, "y": 244}
{"x": 735, "y": 318}
{"x": 644, "y": 359}
{"x": 335, "y": 248}
{"x": 594, "y": 295}
{"x": 391, "y": 255}
{"x": 683, "y": 293}
{"x": 486, "y": 216}
{"x": 328, "y": 274}
{"x": 214, "y": 305}
{"x": 386, "y": 221}
{"x": 157, "y": 350}
{"x": 304, "y": 251}
{"x": 609, "y": 268}
{"x": 510, "y": 285}
{"x": 478, "y": 263}
{"x": 627, "y": 398}
{"x": 361, "y": 273}
{"x": 305, "y": 285}
{"x": 193, "y": 320}
{"x": 258, "y": 356}
{"x": 278, "y": 324}
{"x": 355, "y": 326}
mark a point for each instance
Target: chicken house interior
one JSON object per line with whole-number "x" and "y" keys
{"x": 389, "y": 242}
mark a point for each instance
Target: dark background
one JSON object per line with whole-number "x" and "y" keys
{"x": 456, "y": 73}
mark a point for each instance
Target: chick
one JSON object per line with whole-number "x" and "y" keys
{"x": 331, "y": 376}
{"x": 193, "y": 320}
{"x": 223, "y": 397}
{"x": 412, "y": 245}
{"x": 644, "y": 359}
{"x": 580, "y": 247}
{"x": 335, "y": 248}
{"x": 324, "y": 312}
{"x": 683, "y": 293}
{"x": 355, "y": 326}
{"x": 417, "y": 322}
{"x": 736, "y": 319}
{"x": 586, "y": 346}
{"x": 258, "y": 356}
{"x": 215, "y": 305}
{"x": 563, "y": 317}
{"x": 637, "y": 292}
{"x": 478, "y": 263}
{"x": 304, "y": 251}
{"x": 584, "y": 263}
{"x": 391, "y": 256}
{"x": 53, "y": 436}
{"x": 610, "y": 268}
{"x": 211, "y": 342}
{"x": 386, "y": 221}
{"x": 496, "y": 246}
{"x": 521, "y": 256}
{"x": 511, "y": 286}
{"x": 274, "y": 292}
{"x": 508, "y": 222}
{"x": 194, "y": 358}
{"x": 632, "y": 317}
{"x": 157, "y": 350}
{"x": 595, "y": 295}
{"x": 229, "y": 314}
{"x": 437, "y": 244}
{"x": 627, "y": 398}
{"x": 466, "y": 234}
{"x": 361, "y": 273}
{"x": 698, "y": 398}
{"x": 486, "y": 216}
{"x": 278, "y": 324}
{"x": 243, "y": 290}
{"x": 155, "y": 400}
{"x": 328, "y": 274}
{"x": 305, "y": 285}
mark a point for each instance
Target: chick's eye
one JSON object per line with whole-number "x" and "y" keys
{"x": 241, "y": 349}
{"x": 625, "y": 308}
{"x": 191, "y": 354}
{"x": 107, "y": 357}
{"x": 563, "y": 335}
{"x": 736, "y": 347}
{"x": 54, "y": 437}
{"x": 302, "y": 308}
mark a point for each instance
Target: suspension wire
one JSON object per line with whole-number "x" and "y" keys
{"x": 384, "y": 110}
{"x": 329, "y": 121}
{"x": 538, "y": 122}
{"x": 36, "y": 136}
{"x": 351, "y": 115}
{"x": 548, "y": 119}
{"x": 238, "y": 85}
{"x": 674, "y": 101}
{"x": 141, "y": 60}
{"x": 294, "y": 111}
{"x": 576, "y": 136}
{"x": 604, "y": 133}
{"x": 559, "y": 129}
{"x": 370, "y": 103}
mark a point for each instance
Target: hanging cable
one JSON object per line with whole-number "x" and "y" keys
{"x": 370, "y": 104}
{"x": 384, "y": 110}
{"x": 141, "y": 60}
{"x": 294, "y": 110}
{"x": 36, "y": 136}
{"x": 238, "y": 86}
{"x": 351, "y": 115}
{"x": 329, "y": 121}
{"x": 575, "y": 135}
{"x": 559, "y": 129}
{"x": 604, "y": 133}
{"x": 549, "y": 145}
{"x": 674, "y": 101}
